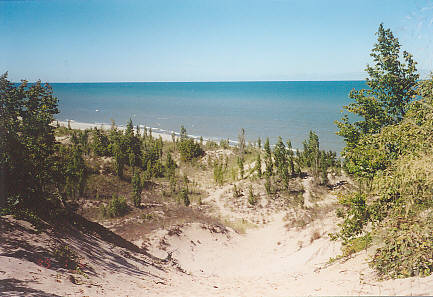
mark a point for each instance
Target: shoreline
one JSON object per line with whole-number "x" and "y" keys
{"x": 156, "y": 132}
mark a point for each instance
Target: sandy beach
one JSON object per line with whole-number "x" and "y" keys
{"x": 105, "y": 126}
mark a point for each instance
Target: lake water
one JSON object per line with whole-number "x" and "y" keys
{"x": 216, "y": 110}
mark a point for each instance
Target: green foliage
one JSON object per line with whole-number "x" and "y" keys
{"x": 100, "y": 143}
{"x": 137, "y": 188}
{"x": 183, "y": 134}
{"x": 116, "y": 207}
{"x": 66, "y": 256}
{"x": 392, "y": 155}
{"x": 407, "y": 248}
{"x": 268, "y": 185}
{"x": 183, "y": 195}
{"x": 355, "y": 214}
{"x": 259, "y": 166}
{"x": 290, "y": 156}
{"x": 172, "y": 184}
{"x": 151, "y": 159}
{"x": 311, "y": 153}
{"x": 170, "y": 166}
{"x": 119, "y": 158}
{"x": 268, "y": 158}
{"x": 317, "y": 160}
{"x": 280, "y": 156}
{"x": 236, "y": 192}
{"x": 241, "y": 167}
{"x": 72, "y": 180}
{"x": 356, "y": 245}
{"x": 282, "y": 162}
{"x": 26, "y": 140}
{"x": 188, "y": 148}
{"x": 252, "y": 199}
{"x": 392, "y": 80}
{"x": 218, "y": 172}
{"x": 224, "y": 143}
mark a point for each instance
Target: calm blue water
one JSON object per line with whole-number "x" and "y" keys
{"x": 215, "y": 109}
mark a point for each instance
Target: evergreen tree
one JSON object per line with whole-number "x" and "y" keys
{"x": 188, "y": 148}
{"x": 259, "y": 166}
{"x": 100, "y": 143}
{"x": 137, "y": 188}
{"x": 183, "y": 134}
{"x": 280, "y": 156}
{"x": 311, "y": 153}
{"x": 268, "y": 158}
{"x": 184, "y": 197}
{"x": 290, "y": 157}
{"x": 170, "y": 166}
{"x": 119, "y": 159}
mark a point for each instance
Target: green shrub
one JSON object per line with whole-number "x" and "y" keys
{"x": 236, "y": 192}
{"x": 356, "y": 245}
{"x": 116, "y": 207}
{"x": 189, "y": 149}
{"x": 137, "y": 187}
{"x": 183, "y": 195}
{"x": 252, "y": 199}
{"x": 218, "y": 173}
{"x": 407, "y": 248}
{"x": 66, "y": 256}
{"x": 268, "y": 185}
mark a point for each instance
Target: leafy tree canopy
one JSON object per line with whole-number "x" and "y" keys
{"x": 392, "y": 81}
{"x": 26, "y": 139}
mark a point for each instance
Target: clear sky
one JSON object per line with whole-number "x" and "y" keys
{"x": 200, "y": 40}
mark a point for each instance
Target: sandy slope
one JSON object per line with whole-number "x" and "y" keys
{"x": 271, "y": 261}
{"x": 197, "y": 260}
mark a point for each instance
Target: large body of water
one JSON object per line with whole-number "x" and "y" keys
{"x": 215, "y": 110}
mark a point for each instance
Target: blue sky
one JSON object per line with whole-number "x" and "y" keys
{"x": 170, "y": 40}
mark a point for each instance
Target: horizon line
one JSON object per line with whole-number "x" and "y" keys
{"x": 200, "y": 81}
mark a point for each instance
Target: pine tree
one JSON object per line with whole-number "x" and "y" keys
{"x": 183, "y": 133}
{"x": 280, "y": 155}
{"x": 259, "y": 166}
{"x": 137, "y": 188}
{"x": 290, "y": 157}
{"x": 268, "y": 158}
{"x": 170, "y": 166}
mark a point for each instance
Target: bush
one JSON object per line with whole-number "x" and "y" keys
{"x": 116, "y": 207}
{"x": 356, "y": 245}
{"x": 137, "y": 188}
{"x": 237, "y": 192}
{"x": 66, "y": 257}
{"x": 183, "y": 195}
{"x": 407, "y": 249}
{"x": 252, "y": 199}
{"x": 189, "y": 149}
{"x": 395, "y": 166}
{"x": 218, "y": 173}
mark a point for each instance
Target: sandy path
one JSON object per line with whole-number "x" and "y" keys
{"x": 273, "y": 261}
